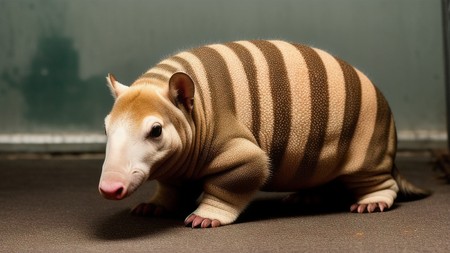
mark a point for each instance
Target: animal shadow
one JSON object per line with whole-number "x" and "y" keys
{"x": 327, "y": 199}
{"x": 123, "y": 225}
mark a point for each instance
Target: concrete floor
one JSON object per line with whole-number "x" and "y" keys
{"x": 52, "y": 205}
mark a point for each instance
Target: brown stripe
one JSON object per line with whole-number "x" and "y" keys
{"x": 281, "y": 95}
{"x": 154, "y": 76}
{"x": 248, "y": 62}
{"x": 219, "y": 80}
{"x": 379, "y": 141}
{"x": 319, "y": 110}
{"x": 166, "y": 67}
{"x": 200, "y": 131}
{"x": 353, "y": 100}
{"x": 190, "y": 71}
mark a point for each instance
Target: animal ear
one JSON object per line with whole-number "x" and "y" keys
{"x": 181, "y": 90}
{"x": 115, "y": 87}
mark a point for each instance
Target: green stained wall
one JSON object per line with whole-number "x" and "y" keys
{"x": 54, "y": 54}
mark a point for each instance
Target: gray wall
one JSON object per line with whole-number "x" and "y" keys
{"x": 54, "y": 55}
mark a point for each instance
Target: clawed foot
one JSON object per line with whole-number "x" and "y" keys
{"x": 148, "y": 209}
{"x": 196, "y": 221}
{"x": 369, "y": 208}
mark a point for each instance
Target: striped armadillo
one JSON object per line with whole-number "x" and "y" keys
{"x": 246, "y": 116}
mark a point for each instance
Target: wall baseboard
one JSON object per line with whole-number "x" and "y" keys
{"x": 86, "y": 142}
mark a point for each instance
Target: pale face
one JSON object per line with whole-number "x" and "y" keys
{"x": 139, "y": 140}
{"x": 146, "y": 132}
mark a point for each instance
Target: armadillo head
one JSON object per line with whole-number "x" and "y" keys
{"x": 148, "y": 131}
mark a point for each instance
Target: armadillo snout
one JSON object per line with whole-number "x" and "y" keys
{"x": 113, "y": 190}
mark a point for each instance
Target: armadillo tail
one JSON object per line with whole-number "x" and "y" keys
{"x": 408, "y": 191}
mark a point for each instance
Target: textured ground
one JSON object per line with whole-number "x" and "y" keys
{"x": 52, "y": 205}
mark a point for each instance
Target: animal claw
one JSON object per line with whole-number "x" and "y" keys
{"x": 362, "y": 208}
{"x": 382, "y": 206}
{"x": 196, "y": 221}
{"x": 369, "y": 208}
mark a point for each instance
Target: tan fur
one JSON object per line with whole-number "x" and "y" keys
{"x": 136, "y": 104}
{"x": 266, "y": 115}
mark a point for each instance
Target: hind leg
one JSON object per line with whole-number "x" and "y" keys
{"x": 373, "y": 193}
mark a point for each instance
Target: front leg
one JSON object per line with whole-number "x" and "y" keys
{"x": 234, "y": 176}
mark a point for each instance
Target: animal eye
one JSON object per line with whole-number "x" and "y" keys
{"x": 156, "y": 131}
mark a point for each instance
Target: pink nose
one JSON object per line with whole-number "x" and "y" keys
{"x": 113, "y": 190}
